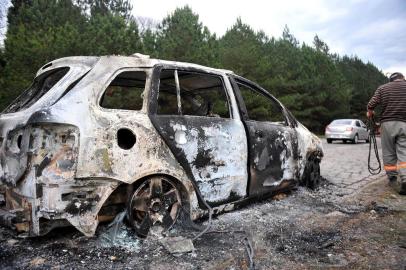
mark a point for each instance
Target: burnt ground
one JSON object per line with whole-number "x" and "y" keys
{"x": 353, "y": 221}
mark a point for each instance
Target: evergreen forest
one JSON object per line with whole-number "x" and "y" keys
{"x": 315, "y": 84}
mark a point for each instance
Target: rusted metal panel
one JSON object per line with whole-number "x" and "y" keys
{"x": 308, "y": 144}
{"x": 271, "y": 156}
{"x": 213, "y": 150}
{"x": 55, "y": 171}
{"x": 17, "y": 211}
{"x": 14, "y": 147}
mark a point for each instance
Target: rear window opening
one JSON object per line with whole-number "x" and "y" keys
{"x": 342, "y": 122}
{"x": 47, "y": 66}
{"x": 41, "y": 85}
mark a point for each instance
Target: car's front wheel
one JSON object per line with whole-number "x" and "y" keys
{"x": 311, "y": 176}
{"x": 154, "y": 204}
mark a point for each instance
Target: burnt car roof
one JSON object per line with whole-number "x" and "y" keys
{"x": 137, "y": 60}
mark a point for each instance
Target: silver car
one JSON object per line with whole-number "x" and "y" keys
{"x": 347, "y": 130}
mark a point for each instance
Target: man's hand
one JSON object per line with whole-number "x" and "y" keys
{"x": 370, "y": 113}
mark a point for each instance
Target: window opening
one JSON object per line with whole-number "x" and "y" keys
{"x": 192, "y": 93}
{"x": 40, "y": 86}
{"x": 125, "y": 92}
{"x": 260, "y": 107}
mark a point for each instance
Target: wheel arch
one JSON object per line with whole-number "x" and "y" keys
{"x": 188, "y": 194}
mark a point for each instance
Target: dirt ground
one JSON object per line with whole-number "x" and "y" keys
{"x": 350, "y": 222}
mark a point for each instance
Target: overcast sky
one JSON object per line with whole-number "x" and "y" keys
{"x": 374, "y": 30}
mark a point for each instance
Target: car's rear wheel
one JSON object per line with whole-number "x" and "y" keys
{"x": 329, "y": 140}
{"x": 311, "y": 176}
{"x": 154, "y": 204}
{"x": 355, "y": 140}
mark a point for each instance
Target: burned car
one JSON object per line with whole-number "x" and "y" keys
{"x": 95, "y": 136}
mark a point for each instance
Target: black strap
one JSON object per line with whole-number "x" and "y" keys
{"x": 372, "y": 141}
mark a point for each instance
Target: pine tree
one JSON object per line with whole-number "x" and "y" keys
{"x": 40, "y": 31}
{"x": 316, "y": 85}
{"x": 182, "y": 37}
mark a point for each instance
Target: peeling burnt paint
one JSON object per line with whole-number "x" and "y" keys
{"x": 60, "y": 159}
{"x": 270, "y": 157}
{"x": 44, "y": 163}
{"x": 79, "y": 206}
{"x": 213, "y": 148}
{"x": 203, "y": 158}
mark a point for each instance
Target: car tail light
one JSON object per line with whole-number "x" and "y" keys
{"x": 328, "y": 128}
{"x": 54, "y": 148}
{"x": 349, "y": 129}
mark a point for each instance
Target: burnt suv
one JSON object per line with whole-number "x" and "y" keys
{"x": 93, "y": 136}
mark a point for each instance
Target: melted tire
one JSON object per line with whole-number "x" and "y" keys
{"x": 311, "y": 176}
{"x": 156, "y": 202}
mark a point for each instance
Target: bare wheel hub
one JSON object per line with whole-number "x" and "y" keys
{"x": 156, "y": 202}
{"x": 156, "y": 205}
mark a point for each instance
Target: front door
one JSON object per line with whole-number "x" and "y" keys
{"x": 272, "y": 141}
{"x": 194, "y": 116}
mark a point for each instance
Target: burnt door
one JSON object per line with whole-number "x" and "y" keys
{"x": 272, "y": 142}
{"x": 193, "y": 114}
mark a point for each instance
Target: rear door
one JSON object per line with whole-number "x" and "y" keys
{"x": 193, "y": 111}
{"x": 272, "y": 140}
{"x": 362, "y": 130}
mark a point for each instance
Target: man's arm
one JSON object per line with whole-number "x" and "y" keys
{"x": 375, "y": 100}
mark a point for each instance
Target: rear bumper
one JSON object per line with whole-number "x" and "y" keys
{"x": 75, "y": 202}
{"x": 341, "y": 136}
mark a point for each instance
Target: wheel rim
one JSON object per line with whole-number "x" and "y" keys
{"x": 356, "y": 139}
{"x": 154, "y": 204}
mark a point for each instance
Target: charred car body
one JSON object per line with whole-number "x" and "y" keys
{"x": 95, "y": 135}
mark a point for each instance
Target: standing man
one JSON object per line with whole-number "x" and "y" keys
{"x": 392, "y": 98}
